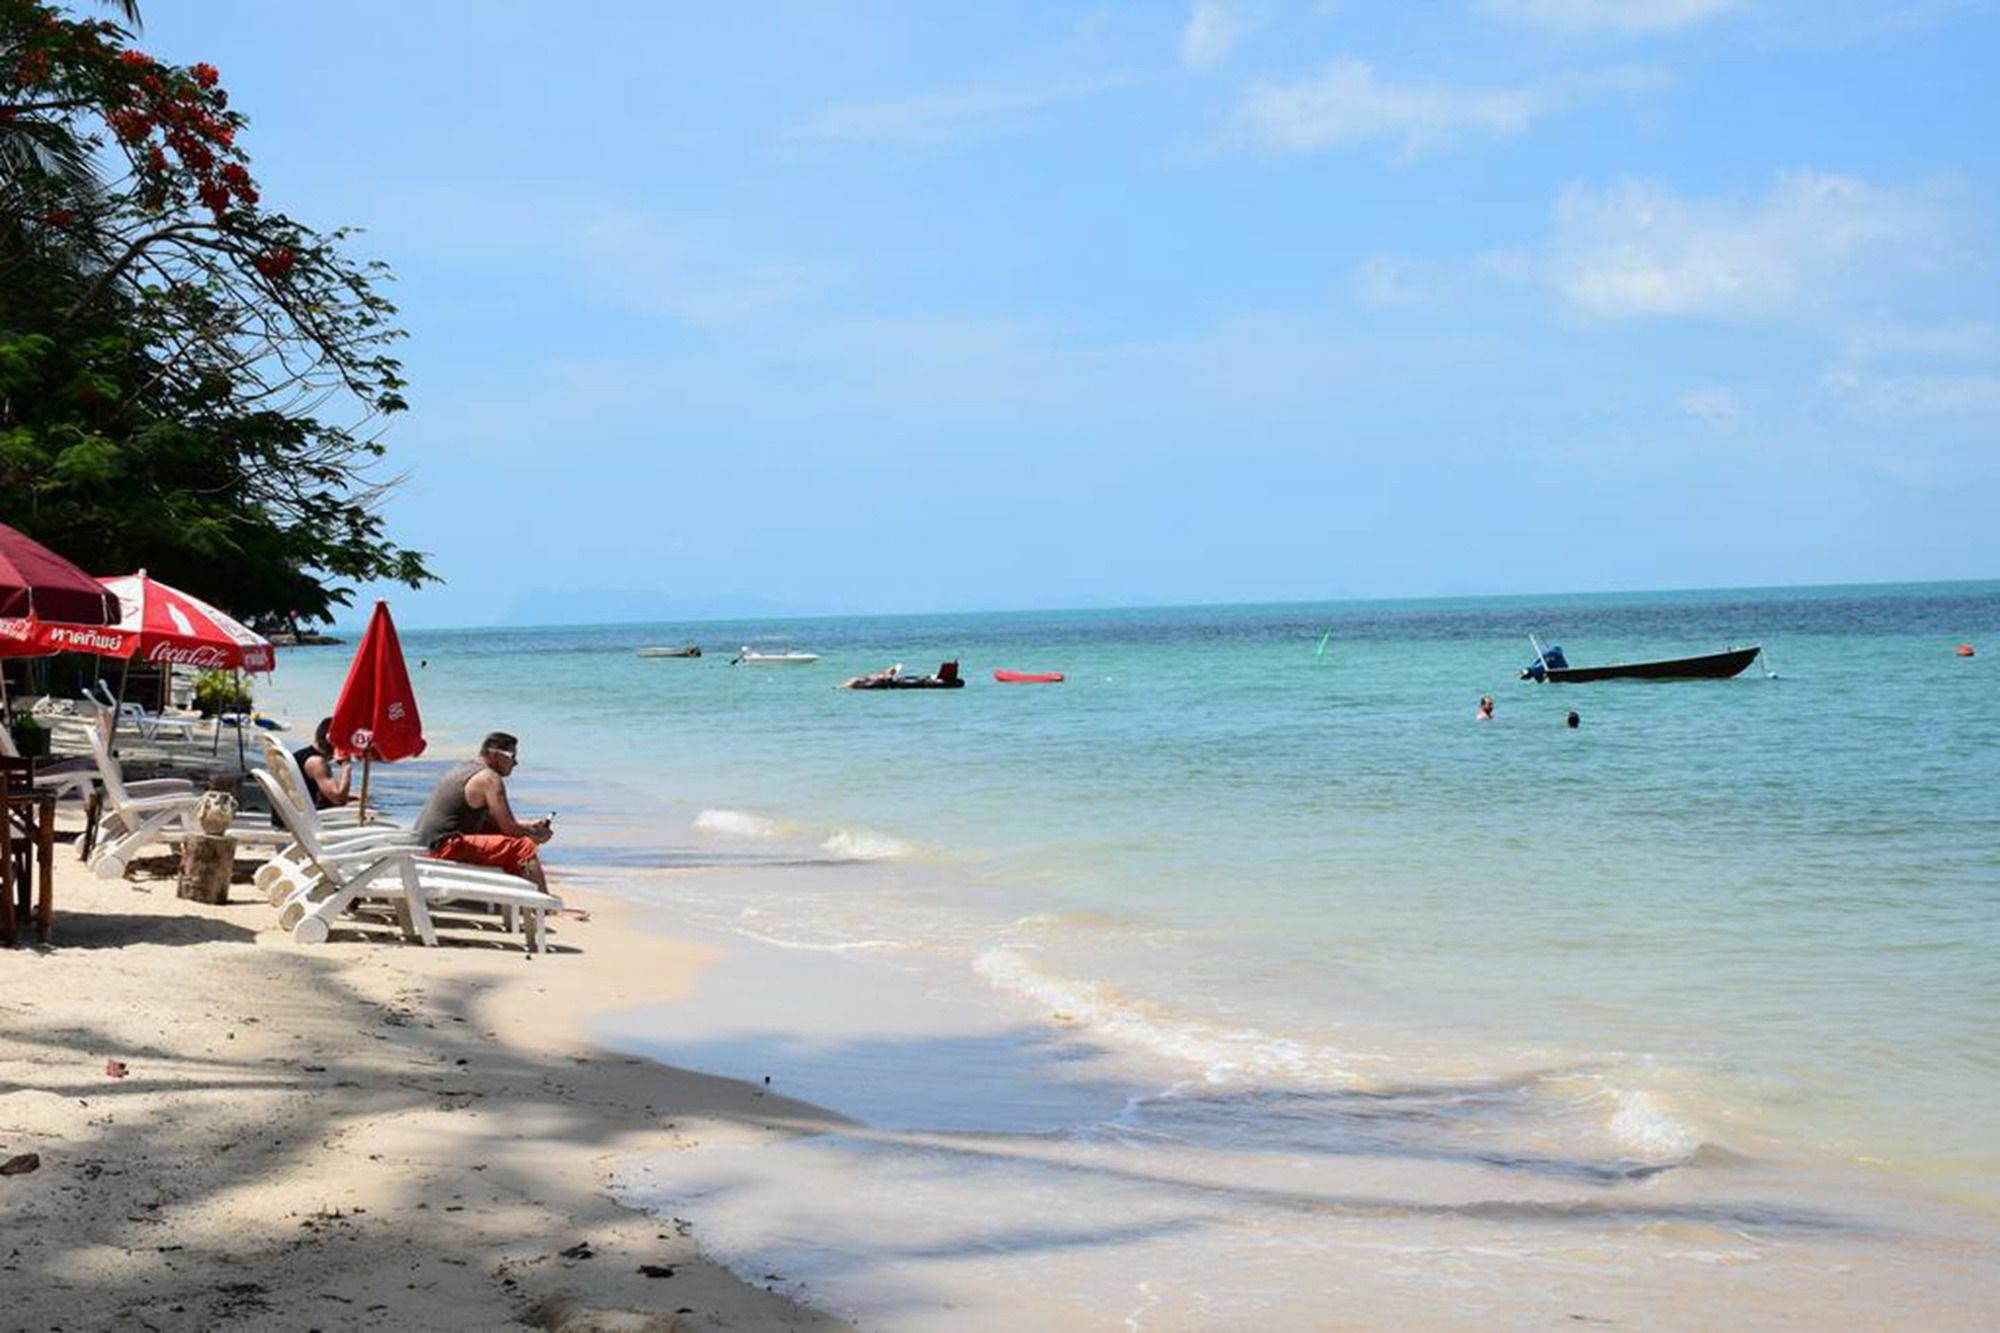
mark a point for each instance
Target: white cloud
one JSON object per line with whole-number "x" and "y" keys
{"x": 1346, "y": 103}
{"x": 1917, "y": 395}
{"x": 946, "y": 117}
{"x": 1621, "y": 16}
{"x": 1975, "y": 342}
{"x": 1212, "y": 31}
{"x": 1718, "y": 407}
{"x": 1901, "y": 371}
{"x": 1638, "y": 250}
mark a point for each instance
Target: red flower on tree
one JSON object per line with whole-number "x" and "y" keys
{"x": 275, "y": 264}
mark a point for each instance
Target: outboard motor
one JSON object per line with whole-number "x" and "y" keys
{"x": 1552, "y": 656}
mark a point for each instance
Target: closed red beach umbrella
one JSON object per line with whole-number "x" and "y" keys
{"x": 376, "y": 715}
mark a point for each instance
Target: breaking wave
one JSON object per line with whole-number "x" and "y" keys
{"x": 864, "y": 845}
{"x": 735, "y": 824}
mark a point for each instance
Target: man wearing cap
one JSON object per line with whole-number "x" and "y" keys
{"x": 468, "y": 819}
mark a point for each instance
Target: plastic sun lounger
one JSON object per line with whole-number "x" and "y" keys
{"x": 398, "y": 872}
{"x": 291, "y": 870}
{"x": 291, "y": 873}
{"x": 131, "y": 821}
{"x": 65, "y": 777}
{"x": 148, "y": 725}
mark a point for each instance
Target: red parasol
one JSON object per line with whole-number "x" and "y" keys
{"x": 376, "y": 715}
{"x": 35, "y": 581}
{"x": 37, "y": 584}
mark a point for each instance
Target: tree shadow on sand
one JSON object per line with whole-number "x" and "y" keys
{"x": 449, "y": 1230}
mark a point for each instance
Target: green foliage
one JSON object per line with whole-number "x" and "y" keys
{"x": 190, "y": 382}
{"x": 31, "y": 738}
{"x": 220, "y": 692}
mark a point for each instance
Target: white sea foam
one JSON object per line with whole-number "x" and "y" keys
{"x": 1641, "y": 1125}
{"x": 735, "y": 823}
{"x": 864, "y": 845}
{"x": 1223, "y": 1054}
{"x": 827, "y": 946}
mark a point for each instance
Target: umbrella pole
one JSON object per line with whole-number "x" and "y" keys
{"x": 366, "y": 755}
{"x": 242, "y": 721}
{"x": 124, "y": 676}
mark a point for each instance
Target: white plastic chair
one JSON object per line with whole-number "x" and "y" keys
{"x": 148, "y": 725}
{"x": 397, "y": 871}
{"x": 65, "y": 777}
{"x": 132, "y": 820}
{"x": 290, "y": 870}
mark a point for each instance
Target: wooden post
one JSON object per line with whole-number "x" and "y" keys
{"x": 93, "y": 807}
{"x": 208, "y": 858}
{"x": 207, "y": 863}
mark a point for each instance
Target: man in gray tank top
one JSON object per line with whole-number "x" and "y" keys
{"x": 468, "y": 819}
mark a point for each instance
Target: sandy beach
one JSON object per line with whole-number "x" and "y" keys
{"x": 362, "y": 1134}
{"x": 232, "y": 1130}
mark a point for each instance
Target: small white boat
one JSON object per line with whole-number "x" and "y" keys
{"x": 751, "y": 657}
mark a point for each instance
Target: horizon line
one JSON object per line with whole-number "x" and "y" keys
{"x": 337, "y": 627}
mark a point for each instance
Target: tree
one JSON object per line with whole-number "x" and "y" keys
{"x": 189, "y": 381}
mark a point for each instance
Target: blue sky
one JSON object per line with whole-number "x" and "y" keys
{"x": 900, "y": 307}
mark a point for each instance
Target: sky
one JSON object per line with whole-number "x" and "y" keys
{"x": 873, "y": 308}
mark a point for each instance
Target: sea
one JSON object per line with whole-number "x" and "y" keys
{"x": 1244, "y": 978}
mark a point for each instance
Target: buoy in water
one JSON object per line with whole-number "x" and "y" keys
{"x": 1963, "y": 650}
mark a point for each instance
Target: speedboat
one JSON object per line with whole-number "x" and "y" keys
{"x": 893, "y": 678}
{"x": 751, "y": 657}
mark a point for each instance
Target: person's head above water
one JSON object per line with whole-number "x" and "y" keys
{"x": 1486, "y": 705}
{"x": 1572, "y": 720}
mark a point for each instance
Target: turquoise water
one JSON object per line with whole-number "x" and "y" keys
{"x": 1758, "y": 915}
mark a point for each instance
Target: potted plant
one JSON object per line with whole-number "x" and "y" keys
{"x": 31, "y": 738}
{"x": 217, "y": 692}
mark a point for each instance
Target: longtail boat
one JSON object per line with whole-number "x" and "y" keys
{"x": 1550, "y": 665}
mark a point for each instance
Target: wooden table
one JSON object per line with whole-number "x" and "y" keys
{"x": 27, "y": 842}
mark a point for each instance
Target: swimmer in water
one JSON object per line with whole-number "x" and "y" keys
{"x": 1485, "y": 713}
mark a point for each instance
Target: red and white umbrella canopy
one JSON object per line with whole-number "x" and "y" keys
{"x": 157, "y": 623}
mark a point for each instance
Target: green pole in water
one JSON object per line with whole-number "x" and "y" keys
{"x": 1322, "y": 643}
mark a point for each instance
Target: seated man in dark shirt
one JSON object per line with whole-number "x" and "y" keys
{"x": 468, "y": 819}
{"x": 316, "y": 762}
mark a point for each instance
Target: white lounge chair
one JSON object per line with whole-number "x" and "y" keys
{"x": 132, "y": 820}
{"x": 399, "y": 872}
{"x": 75, "y": 778}
{"x": 65, "y": 777}
{"x": 291, "y": 875}
{"x": 290, "y": 870}
{"x": 284, "y": 766}
{"x": 148, "y": 725}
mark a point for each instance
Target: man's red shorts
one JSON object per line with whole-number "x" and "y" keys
{"x": 487, "y": 849}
